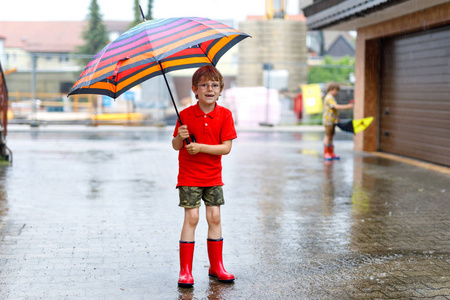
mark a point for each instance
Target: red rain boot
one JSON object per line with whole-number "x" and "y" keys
{"x": 334, "y": 156}
{"x": 186, "y": 256}
{"x": 327, "y": 154}
{"x": 216, "y": 268}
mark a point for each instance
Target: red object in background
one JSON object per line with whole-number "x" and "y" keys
{"x": 298, "y": 105}
{"x": 352, "y": 101}
{"x": 3, "y": 102}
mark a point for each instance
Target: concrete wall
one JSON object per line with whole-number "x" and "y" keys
{"x": 281, "y": 42}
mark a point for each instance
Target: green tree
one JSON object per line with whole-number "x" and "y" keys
{"x": 149, "y": 10}
{"x": 95, "y": 34}
{"x": 337, "y": 70}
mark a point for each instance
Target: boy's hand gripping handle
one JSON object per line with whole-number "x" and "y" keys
{"x": 192, "y": 137}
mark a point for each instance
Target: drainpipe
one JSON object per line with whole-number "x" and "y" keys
{"x": 33, "y": 90}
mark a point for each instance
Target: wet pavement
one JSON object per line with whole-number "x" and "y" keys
{"x": 91, "y": 213}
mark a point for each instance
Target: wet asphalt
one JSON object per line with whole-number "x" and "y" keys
{"x": 91, "y": 213}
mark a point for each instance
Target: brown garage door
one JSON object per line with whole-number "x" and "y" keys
{"x": 415, "y": 96}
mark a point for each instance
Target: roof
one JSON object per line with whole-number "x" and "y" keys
{"x": 299, "y": 17}
{"x": 51, "y": 37}
{"x": 341, "y": 46}
{"x": 353, "y": 14}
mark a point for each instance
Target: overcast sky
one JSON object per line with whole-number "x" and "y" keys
{"x": 77, "y": 10}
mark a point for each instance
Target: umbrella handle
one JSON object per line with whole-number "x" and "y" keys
{"x": 174, "y": 104}
{"x": 170, "y": 93}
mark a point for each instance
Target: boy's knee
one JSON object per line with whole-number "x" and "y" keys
{"x": 193, "y": 223}
{"x": 214, "y": 217}
{"x": 192, "y": 219}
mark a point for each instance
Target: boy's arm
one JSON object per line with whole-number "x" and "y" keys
{"x": 221, "y": 149}
{"x": 343, "y": 106}
{"x": 177, "y": 143}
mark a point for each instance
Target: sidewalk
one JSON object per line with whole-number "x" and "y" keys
{"x": 92, "y": 214}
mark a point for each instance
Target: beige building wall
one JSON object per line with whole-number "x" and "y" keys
{"x": 16, "y": 58}
{"x": 280, "y": 42}
{"x": 22, "y": 60}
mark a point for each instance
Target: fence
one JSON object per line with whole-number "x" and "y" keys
{"x": 40, "y": 96}
{"x": 57, "y": 108}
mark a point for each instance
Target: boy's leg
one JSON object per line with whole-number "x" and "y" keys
{"x": 327, "y": 148}
{"x": 216, "y": 269}
{"x": 191, "y": 217}
{"x": 187, "y": 243}
{"x": 329, "y": 133}
{"x": 328, "y": 142}
{"x": 190, "y": 198}
{"x": 214, "y": 223}
{"x": 213, "y": 199}
{"x": 333, "y": 155}
{"x": 186, "y": 257}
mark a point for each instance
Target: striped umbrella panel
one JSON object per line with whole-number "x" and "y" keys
{"x": 177, "y": 43}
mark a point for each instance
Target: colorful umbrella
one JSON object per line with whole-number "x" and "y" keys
{"x": 153, "y": 48}
{"x": 355, "y": 126}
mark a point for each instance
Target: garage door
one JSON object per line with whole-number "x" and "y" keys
{"x": 415, "y": 96}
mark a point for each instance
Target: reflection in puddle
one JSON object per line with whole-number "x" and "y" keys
{"x": 215, "y": 291}
{"x": 3, "y": 194}
{"x": 310, "y": 152}
{"x": 360, "y": 200}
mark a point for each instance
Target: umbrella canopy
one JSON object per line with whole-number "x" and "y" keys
{"x": 153, "y": 48}
{"x": 355, "y": 126}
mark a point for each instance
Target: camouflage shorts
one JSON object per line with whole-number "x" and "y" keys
{"x": 190, "y": 196}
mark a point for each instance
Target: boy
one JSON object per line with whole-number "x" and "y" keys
{"x": 330, "y": 118}
{"x": 200, "y": 170}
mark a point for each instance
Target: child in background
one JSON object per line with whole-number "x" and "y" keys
{"x": 330, "y": 118}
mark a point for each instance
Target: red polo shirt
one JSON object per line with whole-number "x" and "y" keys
{"x": 203, "y": 169}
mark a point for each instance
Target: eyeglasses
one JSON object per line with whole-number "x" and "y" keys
{"x": 205, "y": 86}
